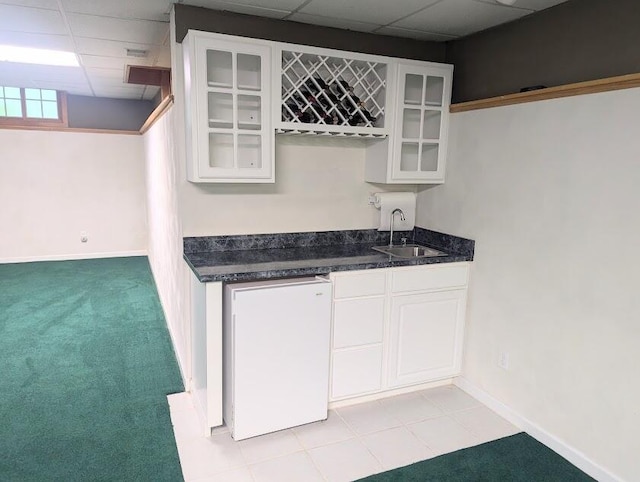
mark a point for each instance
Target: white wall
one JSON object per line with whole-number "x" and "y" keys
{"x": 549, "y": 191}
{"x": 54, "y": 185}
{"x": 319, "y": 187}
{"x": 165, "y": 232}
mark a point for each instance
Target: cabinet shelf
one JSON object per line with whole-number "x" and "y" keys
{"x": 315, "y": 133}
{"x": 219, "y": 85}
{"x": 249, "y": 125}
{"x": 252, "y": 88}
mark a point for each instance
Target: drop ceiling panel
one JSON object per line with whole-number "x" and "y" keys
{"x": 31, "y": 20}
{"x": 140, "y": 31}
{"x": 130, "y": 9}
{"x": 28, "y": 74}
{"x": 371, "y": 11}
{"x": 460, "y": 17}
{"x": 47, "y": 4}
{"x": 537, "y": 4}
{"x": 108, "y": 48}
{"x": 90, "y": 61}
{"x": 284, "y": 5}
{"x": 37, "y": 40}
{"x": 125, "y": 92}
{"x": 259, "y": 10}
{"x": 116, "y": 75}
{"x": 333, "y": 22}
{"x": 416, "y": 34}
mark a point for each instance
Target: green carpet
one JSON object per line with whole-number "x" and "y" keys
{"x": 519, "y": 458}
{"x": 86, "y": 365}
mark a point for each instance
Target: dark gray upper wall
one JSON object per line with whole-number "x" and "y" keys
{"x": 197, "y": 18}
{"x": 102, "y": 113}
{"x": 573, "y": 42}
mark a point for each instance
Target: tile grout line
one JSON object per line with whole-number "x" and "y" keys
{"x": 306, "y": 451}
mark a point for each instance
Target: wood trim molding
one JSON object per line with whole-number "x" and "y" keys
{"x": 581, "y": 88}
{"x": 157, "y": 113}
{"x": 59, "y": 128}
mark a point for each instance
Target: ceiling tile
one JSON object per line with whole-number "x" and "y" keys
{"x": 537, "y": 4}
{"x": 27, "y": 75}
{"x": 258, "y": 10}
{"x": 31, "y": 20}
{"x": 124, "y": 92}
{"x": 141, "y": 31}
{"x": 37, "y": 40}
{"x": 96, "y": 61}
{"x": 416, "y": 34}
{"x": 379, "y": 12}
{"x": 116, "y": 75}
{"x": 132, "y": 9}
{"x": 283, "y": 5}
{"x": 333, "y": 22}
{"x": 460, "y": 17}
{"x": 46, "y": 4}
{"x": 108, "y": 48}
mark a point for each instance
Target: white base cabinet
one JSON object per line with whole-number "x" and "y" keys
{"x": 425, "y": 338}
{"x": 396, "y": 327}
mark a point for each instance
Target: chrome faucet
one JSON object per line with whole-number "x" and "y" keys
{"x": 402, "y": 218}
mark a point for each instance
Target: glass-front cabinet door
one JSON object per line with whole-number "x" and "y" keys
{"x": 424, "y": 94}
{"x": 233, "y": 137}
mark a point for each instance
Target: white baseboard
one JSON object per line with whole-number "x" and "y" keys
{"x": 559, "y": 446}
{"x": 70, "y": 257}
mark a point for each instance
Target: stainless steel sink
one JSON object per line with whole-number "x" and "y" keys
{"x": 409, "y": 251}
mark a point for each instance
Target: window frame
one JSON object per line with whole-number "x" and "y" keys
{"x": 24, "y": 121}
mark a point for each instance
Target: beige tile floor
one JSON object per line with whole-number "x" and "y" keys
{"x": 352, "y": 443}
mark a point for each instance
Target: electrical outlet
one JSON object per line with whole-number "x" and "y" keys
{"x": 503, "y": 360}
{"x": 84, "y": 237}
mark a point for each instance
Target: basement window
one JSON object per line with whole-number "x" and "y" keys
{"x": 24, "y": 106}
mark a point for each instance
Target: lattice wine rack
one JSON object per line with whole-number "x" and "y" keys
{"x": 319, "y": 90}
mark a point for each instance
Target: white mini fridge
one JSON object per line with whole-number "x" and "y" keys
{"x": 276, "y": 354}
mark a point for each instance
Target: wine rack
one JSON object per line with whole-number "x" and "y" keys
{"x": 332, "y": 92}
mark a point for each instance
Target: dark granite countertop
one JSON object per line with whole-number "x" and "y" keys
{"x": 264, "y": 256}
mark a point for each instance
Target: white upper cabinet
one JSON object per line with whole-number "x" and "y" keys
{"x": 240, "y": 92}
{"x": 332, "y": 92}
{"x": 418, "y": 148}
{"x": 228, "y": 105}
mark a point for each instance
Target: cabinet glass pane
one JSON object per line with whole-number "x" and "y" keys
{"x": 429, "y": 158}
{"x": 411, "y": 123}
{"x": 413, "y": 89}
{"x": 220, "y": 110}
{"x": 249, "y": 151}
{"x": 435, "y": 90}
{"x": 249, "y": 72}
{"x": 219, "y": 69}
{"x": 431, "y": 124}
{"x": 249, "y": 112}
{"x": 221, "y": 150}
{"x": 409, "y": 156}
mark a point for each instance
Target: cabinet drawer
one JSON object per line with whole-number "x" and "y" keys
{"x": 358, "y": 322}
{"x": 429, "y": 278}
{"x": 356, "y": 371}
{"x": 360, "y": 283}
